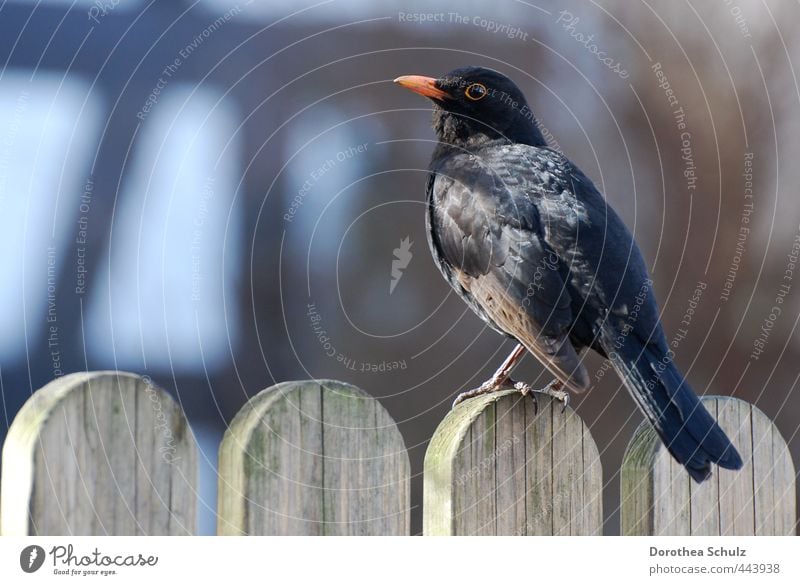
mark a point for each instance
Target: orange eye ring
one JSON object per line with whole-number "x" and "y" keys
{"x": 475, "y": 92}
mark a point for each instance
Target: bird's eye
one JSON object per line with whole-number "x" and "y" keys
{"x": 475, "y": 92}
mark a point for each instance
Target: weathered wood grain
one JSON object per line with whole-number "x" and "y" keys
{"x": 99, "y": 453}
{"x": 659, "y": 498}
{"x": 494, "y": 466}
{"x": 313, "y": 458}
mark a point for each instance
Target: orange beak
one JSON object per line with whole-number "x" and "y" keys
{"x": 422, "y": 85}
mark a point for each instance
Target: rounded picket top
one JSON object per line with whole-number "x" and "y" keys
{"x": 99, "y": 453}
{"x": 316, "y": 457}
{"x": 659, "y": 498}
{"x": 498, "y": 465}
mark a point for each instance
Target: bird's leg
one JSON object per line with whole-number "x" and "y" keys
{"x": 554, "y": 389}
{"x": 500, "y": 378}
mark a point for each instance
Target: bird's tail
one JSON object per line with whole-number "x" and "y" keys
{"x": 687, "y": 429}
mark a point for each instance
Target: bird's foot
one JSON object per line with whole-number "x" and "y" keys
{"x": 500, "y": 380}
{"x": 554, "y": 389}
{"x": 493, "y": 385}
{"x": 527, "y": 390}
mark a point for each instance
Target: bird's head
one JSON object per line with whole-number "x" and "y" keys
{"x": 474, "y": 104}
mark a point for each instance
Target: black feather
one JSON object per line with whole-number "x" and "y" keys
{"x": 533, "y": 248}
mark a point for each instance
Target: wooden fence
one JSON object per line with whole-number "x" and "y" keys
{"x": 110, "y": 453}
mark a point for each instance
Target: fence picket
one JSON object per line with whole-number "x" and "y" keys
{"x": 495, "y": 466}
{"x": 99, "y": 453}
{"x": 313, "y": 458}
{"x": 659, "y": 498}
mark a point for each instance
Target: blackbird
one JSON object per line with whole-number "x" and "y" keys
{"x": 530, "y": 244}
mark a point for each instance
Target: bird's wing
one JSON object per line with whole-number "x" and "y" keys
{"x": 486, "y": 225}
{"x": 499, "y": 216}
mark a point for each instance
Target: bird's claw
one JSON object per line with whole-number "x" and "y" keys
{"x": 485, "y": 388}
{"x": 565, "y": 401}
{"x": 553, "y": 389}
{"x": 556, "y": 392}
{"x": 525, "y": 390}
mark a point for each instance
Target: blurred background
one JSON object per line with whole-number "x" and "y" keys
{"x": 213, "y": 193}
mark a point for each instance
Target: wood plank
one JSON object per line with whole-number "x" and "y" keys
{"x": 736, "y": 494}
{"x": 783, "y": 487}
{"x": 637, "y": 513}
{"x": 313, "y": 458}
{"x": 764, "y": 473}
{"x": 99, "y": 453}
{"x": 567, "y": 471}
{"x": 705, "y": 496}
{"x": 495, "y": 466}
{"x": 476, "y": 477}
{"x": 592, "y": 476}
{"x": 510, "y": 467}
{"x": 539, "y": 479}
{"x": 758, "y": 499}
